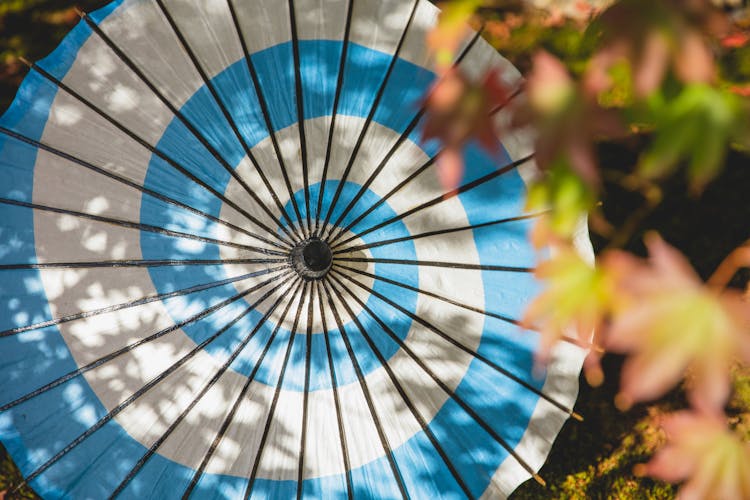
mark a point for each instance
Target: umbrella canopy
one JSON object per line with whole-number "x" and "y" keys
{"x": 228, "y": 269}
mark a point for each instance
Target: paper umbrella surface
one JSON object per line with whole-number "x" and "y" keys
{"x": 228, "y": 268}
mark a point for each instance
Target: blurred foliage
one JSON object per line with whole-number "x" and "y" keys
{"x": 677, "y": 74}
{"x": 566, "y": 194}
{"x": 739, "y": 405}
{"x": 517, "y": 34}
{"x": 595, "y": 458}
{"x": 693, "y": 127}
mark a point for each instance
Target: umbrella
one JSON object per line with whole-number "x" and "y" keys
{"x": 228, "y": 268}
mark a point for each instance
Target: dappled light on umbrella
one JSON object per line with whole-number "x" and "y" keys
{"x": 229, "y": 268}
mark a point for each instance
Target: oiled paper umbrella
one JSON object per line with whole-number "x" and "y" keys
{"x": 228, "y": 268}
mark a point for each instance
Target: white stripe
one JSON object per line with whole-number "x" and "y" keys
{"x": 102, "y": 78}
{"x": 545, "y": 424}
{"x": 239, "y": 446}
{"x": 63, "y": 184}
{"x": 209, "y": 31}
{"x": 140, "y": 30}
{"x": 383, "y": 35}
{"x": 415, "y": 49}
{"x": 320, "y": 19}
{"x": 77, "y": 130}
{"x": 264, "y": 23}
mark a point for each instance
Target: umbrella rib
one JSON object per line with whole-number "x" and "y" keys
{"x": 126, "y": 182}
{"x": 394, "y": 147}
{"x": 430, "y": 263}
{"x": 300, "y": 115}
{"x": 240, "y": 397}
{"x": 400, "y": 389}
{"x": 264, "y": 109}
{"x": 140, "y": 392}
{"x": 215, "y": 378}
{"x": 135, "y": 263}
{"x": 507, "y": 319}
{"x": 368, "y": 397}
{"x": 227, "y": 116}
{"x": 406, "y": 181}
{"x": 370, "y": 116}
{"x": 336, "y": 401}
{"x": 450, "y": 392}
{"x": 181, "y": 117}
{"x": 275, "y": 400}
{"x": 140, "y": 226}
{"x": 128, "y": 348}
{"x": 336, "y": 99}
{"x": 462, "y": 347}
{"x": 439, "y": 232}
{"x": 430, "y": 294}
{"x": 441, "y": 198}
{"x": 332, "y": 241}
{"x": 306, "y": 395}
{"x": 138, "y": 302}
{"x": 154, "y": 150}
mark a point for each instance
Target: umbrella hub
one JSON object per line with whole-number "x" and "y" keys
{"x": 311, "y": 259}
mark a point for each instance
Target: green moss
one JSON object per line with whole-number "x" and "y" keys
{"x": 741, "y": 397}
{"x": 10, "y": 478}
{"x": 739, "y": 406}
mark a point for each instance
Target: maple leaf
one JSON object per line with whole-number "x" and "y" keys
{"x": 701, "y": 451}
{"x": 575, "y": 300}
{"x": 697, "y": 125}
{"x": 498, "y": 30}
{"x": 671, "y": 323}
{"x": 568, "y": 199}
{"x": 735, "y": 40}
{"x": 567, "y": 118}
{"x": 451, "y": 29}
{"x": 740, "y": 90}
{"x": 654, "y": 37}
{"x": 457, "y": 110}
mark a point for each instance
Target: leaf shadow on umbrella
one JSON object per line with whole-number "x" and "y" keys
{"x": 37, "y": 359}
{"x": 471, "y": 450}
{"x": 78, "y": 289}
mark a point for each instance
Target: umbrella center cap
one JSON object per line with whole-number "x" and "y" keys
{"x": 312, "y": 259}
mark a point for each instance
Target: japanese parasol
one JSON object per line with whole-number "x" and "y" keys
{"x": 228, "y": 268}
